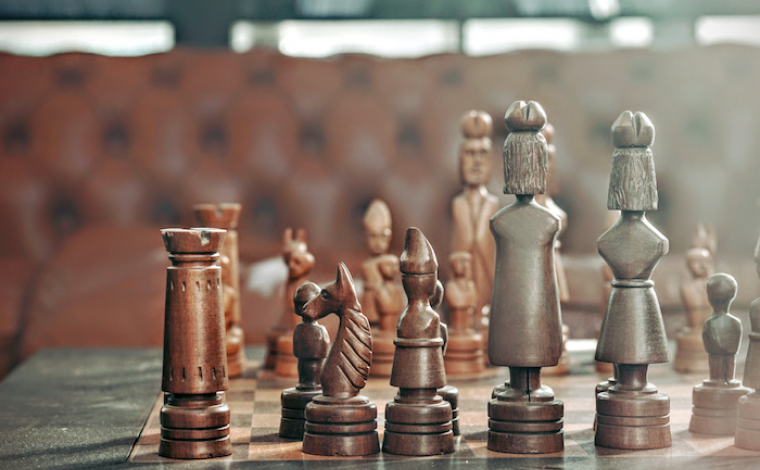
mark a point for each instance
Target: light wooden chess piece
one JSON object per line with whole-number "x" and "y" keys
{"x": 311, "y": 343}
{"x": 389, "y": 301}
{"x": 715, "y": 400}
{"x": 377, "y": 234}
{"x": 748, "y": 409}
{"x": 225, "y": 216}
{"x": 631, "y": 414}
{"x": 419, "y": 421}
{"x": 340, "y": 421}
{"x": 464, "y": 353}
{"x": 474, "y": 206}
{"x": 546, "y": 200}
{"x": 690, "y": 350}
{"x": 299, "y": 261}
{"x": 526, "y": 328}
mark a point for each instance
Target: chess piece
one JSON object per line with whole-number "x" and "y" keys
{"x": 464, "y": 352}
{"x": 704, "y": 237}
{"x": 448, "y": 392}
{"x": 474, "y": 207}
{"x": 690, "y": 350}
{"x": 748, "y": 409}
{"x": 299, "y": 261}
{"x": 340, "y": 421}
{"x": 526, "y": 328}
{"x": 606, "y": 368}
{"x": 389, "y": 301}
{"x": 631, "y": 414}
{"x": 311, "y": 343}
{"x": 225, "y": 216}
{"x": 377, "y": 234}
{"x": 715, "y": 401}
{"x": 195, "y": 421}
{"x": 418, "y": 420}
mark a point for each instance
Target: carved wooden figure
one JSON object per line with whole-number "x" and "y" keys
{"x": 389, "y": 302}
{"x": 226, "y": 216}
{"x": 340, "y": 421}
{"x": 311, "y": 342}
{"x": 418, "y": 420}
{"x": 195, "y": 421}
{"x": 715, "y": 400}
{"x": 474, "y": 206}
{"x": 545, "y": 199}
{"x": 377, "y": 234}
{"x": 464, "y": 352}
{"x": 748, "y": 409}
{"x": 631, "y": 414}
{"x": 299, "y": 261}
{"x": 525, "y": 331}
{"x": 690, "y": 350}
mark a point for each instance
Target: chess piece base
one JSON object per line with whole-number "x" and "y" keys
{"x": 418, "y": 429}
{"x": 523, "y": 427}
{"x": 286, "y": 364}
{"x": 451, "y": 395}
{"x": 292, "y": 417}
{"x": 632, "y": 420}
{"x": 714, "y": 410}
{"x": 690, "y": 354}
{"x": 195, "y": 427}
{"x": 383, "y": 350}
{"x": 748, "y": 423}
{"x": 464, "y": 354}
{"x": 345, "y": 427}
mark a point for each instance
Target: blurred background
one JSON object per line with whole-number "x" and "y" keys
{"x": 116, "y": 116}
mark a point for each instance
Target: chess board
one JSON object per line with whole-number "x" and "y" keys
{"x": 255, "y": 415}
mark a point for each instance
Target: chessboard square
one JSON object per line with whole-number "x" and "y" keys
{"x": 266, "y": 421}
{"x": 266, "y": 407}
{"x": 268, "y": 395}
{"x": 235, "y": 395}
{"x": 240, "y": 420}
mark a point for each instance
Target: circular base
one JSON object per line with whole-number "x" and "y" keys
{"x": 523, "y": 427}
{"x": 715, "y": 425}
{"x": 520, "y": 443}
{"x": 345, "y": 427}
{"x": 195, "y": 449}
{"x": 747, "y": 437}
{"x": 418, "y": 444}
{"x": 633, "y": 420}
{"x": 292, "y": 428}
{"x": 341, "y": 445}
{"x": 292, "y": 419}
{"x": 451, "y": 395}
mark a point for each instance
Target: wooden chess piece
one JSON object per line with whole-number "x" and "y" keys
{"x": 606, "y": 368}
{"x": 418, "y": 420}
{"x": 389, "y": 301}
{"x": 464, "y": 352}
{"x": 704, "y": 236}
{"x": 195, "y": 421}
{"x": 299, "y": 261}
{"x": 690, "y": 349}
{"x": 748, "y": 409}
{"x": 631, "y": 414}
{"x": 377, "y": 235}
{"x": 311, "y": 342}
{"x": 474, "y": 206}
{"x": 715, "y": 401}
{"x": 226, "y": 216}
{"x": 340, "y": 421}
{"x": 525, "y": 328}
{"x": 448, "y": 392}
{"x": 546, "y": 200}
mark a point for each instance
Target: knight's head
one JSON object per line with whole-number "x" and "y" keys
{"x": 377, "y": 227}
{"x": 336, "y": 297}
{"x": 476, "y": 150}
{"x": 419, "y": 265}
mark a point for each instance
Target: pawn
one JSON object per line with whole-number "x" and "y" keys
{"x": 310, "y": 345}
{"x": 748, "y": 409}
{"x": 715, "y": 400}
{"x": 418, "y": 420}
{"x": 464, "y": 352}
{"x": 389, "y": 302}
{"x": 340, "y": 421}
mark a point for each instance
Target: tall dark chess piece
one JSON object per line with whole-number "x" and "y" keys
{"x": 311, "y": 343}
{"x": 525, "y": 332}
{"x": 225, "y": 216}
{"x": 195, "y": 421}
{"x": 631, "y": 414}
{"x": 340, "y": 421}
{"x": 748, "y": 409}
{"x": 715, "y": 400}
{"x": 418, "y": 420}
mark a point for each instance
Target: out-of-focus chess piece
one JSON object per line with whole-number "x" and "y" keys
{"x": 299, "y": 261}
{"x": 545, "y": 199}
{"x": 377, "y": 234}
{"x": 631, "y": 414}
{"x": 473, "y": 208}
{"x": 226, "y": 216}
{"x": 690, "y": 350}
{"x": 464, "y": 352}
{"x": 715, "y": 400}
{"x": 311, "y": 343}
{"x": 389, "y": 302}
